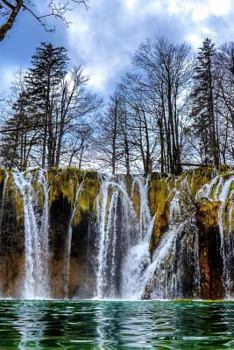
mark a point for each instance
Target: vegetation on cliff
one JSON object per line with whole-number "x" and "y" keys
{"x": 63, "y": 184}
{"x": 204, "y": 198}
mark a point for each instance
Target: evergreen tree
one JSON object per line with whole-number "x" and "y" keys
{"x": 18, "y": 138}
{"x": 203, "y": 110}
{"x": 49, "y": 67}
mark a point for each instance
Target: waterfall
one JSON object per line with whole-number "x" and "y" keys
{"x": 145, "y": 216}
{"x": 124, "y": 237}
{"x": 69, "y": 242}
{"x": 226, "y": 250}
{"x": 113, "y": 239}
{"x": 103, "y": 240}
{"x": 164, "y": 277}
{"x": 125, "y": 266}
{"x": 135, "y": 265}
{"x": 3, "y": 196}
{"x": 130, "y": 252}
{"x": 36, "y": 227}
{"x": 220, "y": 189}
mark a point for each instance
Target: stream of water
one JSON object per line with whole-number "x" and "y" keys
{"x": 36, "y": 229}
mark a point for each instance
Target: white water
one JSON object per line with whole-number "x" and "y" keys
{"x": 69, "y": 242}
{"x": 145, "y": 216}
{"x": 163, "y": 278}
{"x": 134, "y": 271}
{"x": 138, "y": 270}
{"x": 113, "y": 238}
{"x": 125, "y": 268}
{"x": 224, "y": 194}
{"x": 225, "y": 250}
{"x": 123, "y": 239}
{"x": 102, "y": 240}
{"x": 3, "y": 196}
{"x": 135, "y": 265}
{"x": 36, "y": 227}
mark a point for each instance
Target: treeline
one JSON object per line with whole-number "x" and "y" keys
{"x": 174, "y": 108}
{"x": 51, "y": 113}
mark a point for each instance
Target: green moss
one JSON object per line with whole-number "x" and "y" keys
{"x": 232, "y": 221}
{"x": 18, "y": 205}
{"x": 136, "y": 201}
{"x": 199, "y": 178}
{"x": 215, "y": 188}
{"x": 207, "y": 213}
{"x": 65, "y": 181}
{"x": 88, "y": 195}
{"x": 2, "y": 175}
{"x": 171, "y": 182}
{"x": 224, "y": 169}
{"x": 159, "y": 206}
{"x": 9, "y": 185}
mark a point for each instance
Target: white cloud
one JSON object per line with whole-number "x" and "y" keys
{"x": 129, "y": 5}
{"x": 7, "y": 74}
{"x": 220, "y": 7}
{"x": 199, "y": 10}
{"x": 104, "y": 38}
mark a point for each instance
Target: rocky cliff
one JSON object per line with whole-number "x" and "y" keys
{"x": 69, "y": 233}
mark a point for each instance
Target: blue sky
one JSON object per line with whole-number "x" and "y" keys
{"x": 104, "y": 38}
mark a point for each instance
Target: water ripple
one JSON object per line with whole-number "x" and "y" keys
{"x": 116, "y": 325}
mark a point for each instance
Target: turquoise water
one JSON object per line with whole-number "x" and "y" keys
{"x": 116, "y": 325}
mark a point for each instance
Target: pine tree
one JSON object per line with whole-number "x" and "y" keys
{"x": 203, "y": 111}
{"x": 49, "y": 67}
{"x": 17, "y": 138}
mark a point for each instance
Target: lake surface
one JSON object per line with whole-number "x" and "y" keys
{"x": 116, "y": 325}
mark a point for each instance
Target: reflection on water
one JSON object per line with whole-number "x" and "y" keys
{"x": 29, "y": 322}
{"x": 116, "y": 325}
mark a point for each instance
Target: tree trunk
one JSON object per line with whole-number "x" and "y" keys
{"x": 11, "y": 19}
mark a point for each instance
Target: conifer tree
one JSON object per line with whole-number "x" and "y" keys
{"x": 18, "y": 138}
{"x": 203, "y": 110}
{"x": 49, "y": 67}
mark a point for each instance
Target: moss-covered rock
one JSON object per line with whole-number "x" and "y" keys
{"x": 208, "y": 213}
{"x": 159, "y": 206}
{"x": 63, "y": 185}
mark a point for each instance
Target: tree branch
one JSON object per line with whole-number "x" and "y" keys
{"x": 11, "y": 19}
{"x": 56, "y": 10}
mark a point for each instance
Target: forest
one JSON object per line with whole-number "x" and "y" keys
{"x": 173, "y": 109}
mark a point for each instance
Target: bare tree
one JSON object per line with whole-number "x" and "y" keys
{"x": 166, "y": 70}
{"x": 107, "y": 138}
{"x": 139, "y": 124}
{"x": 11, "y": 9}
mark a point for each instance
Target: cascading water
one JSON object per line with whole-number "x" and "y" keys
{"x": 69, "y": 242}
{"x": 138, "y": 256}
{"x": 220, "y": 189}
{"x": 164, "y": 277}
{"x": 116, "y": 220}
{"x": 145, "y": 217}
{"x": 36, "y": 227}
{"x": 3, "y": 196}
{"x": 134, "y": 266}
{"x": 124, "y": 237}
{"x": 226, "y": 237}
{"x": 126, "y": 253}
